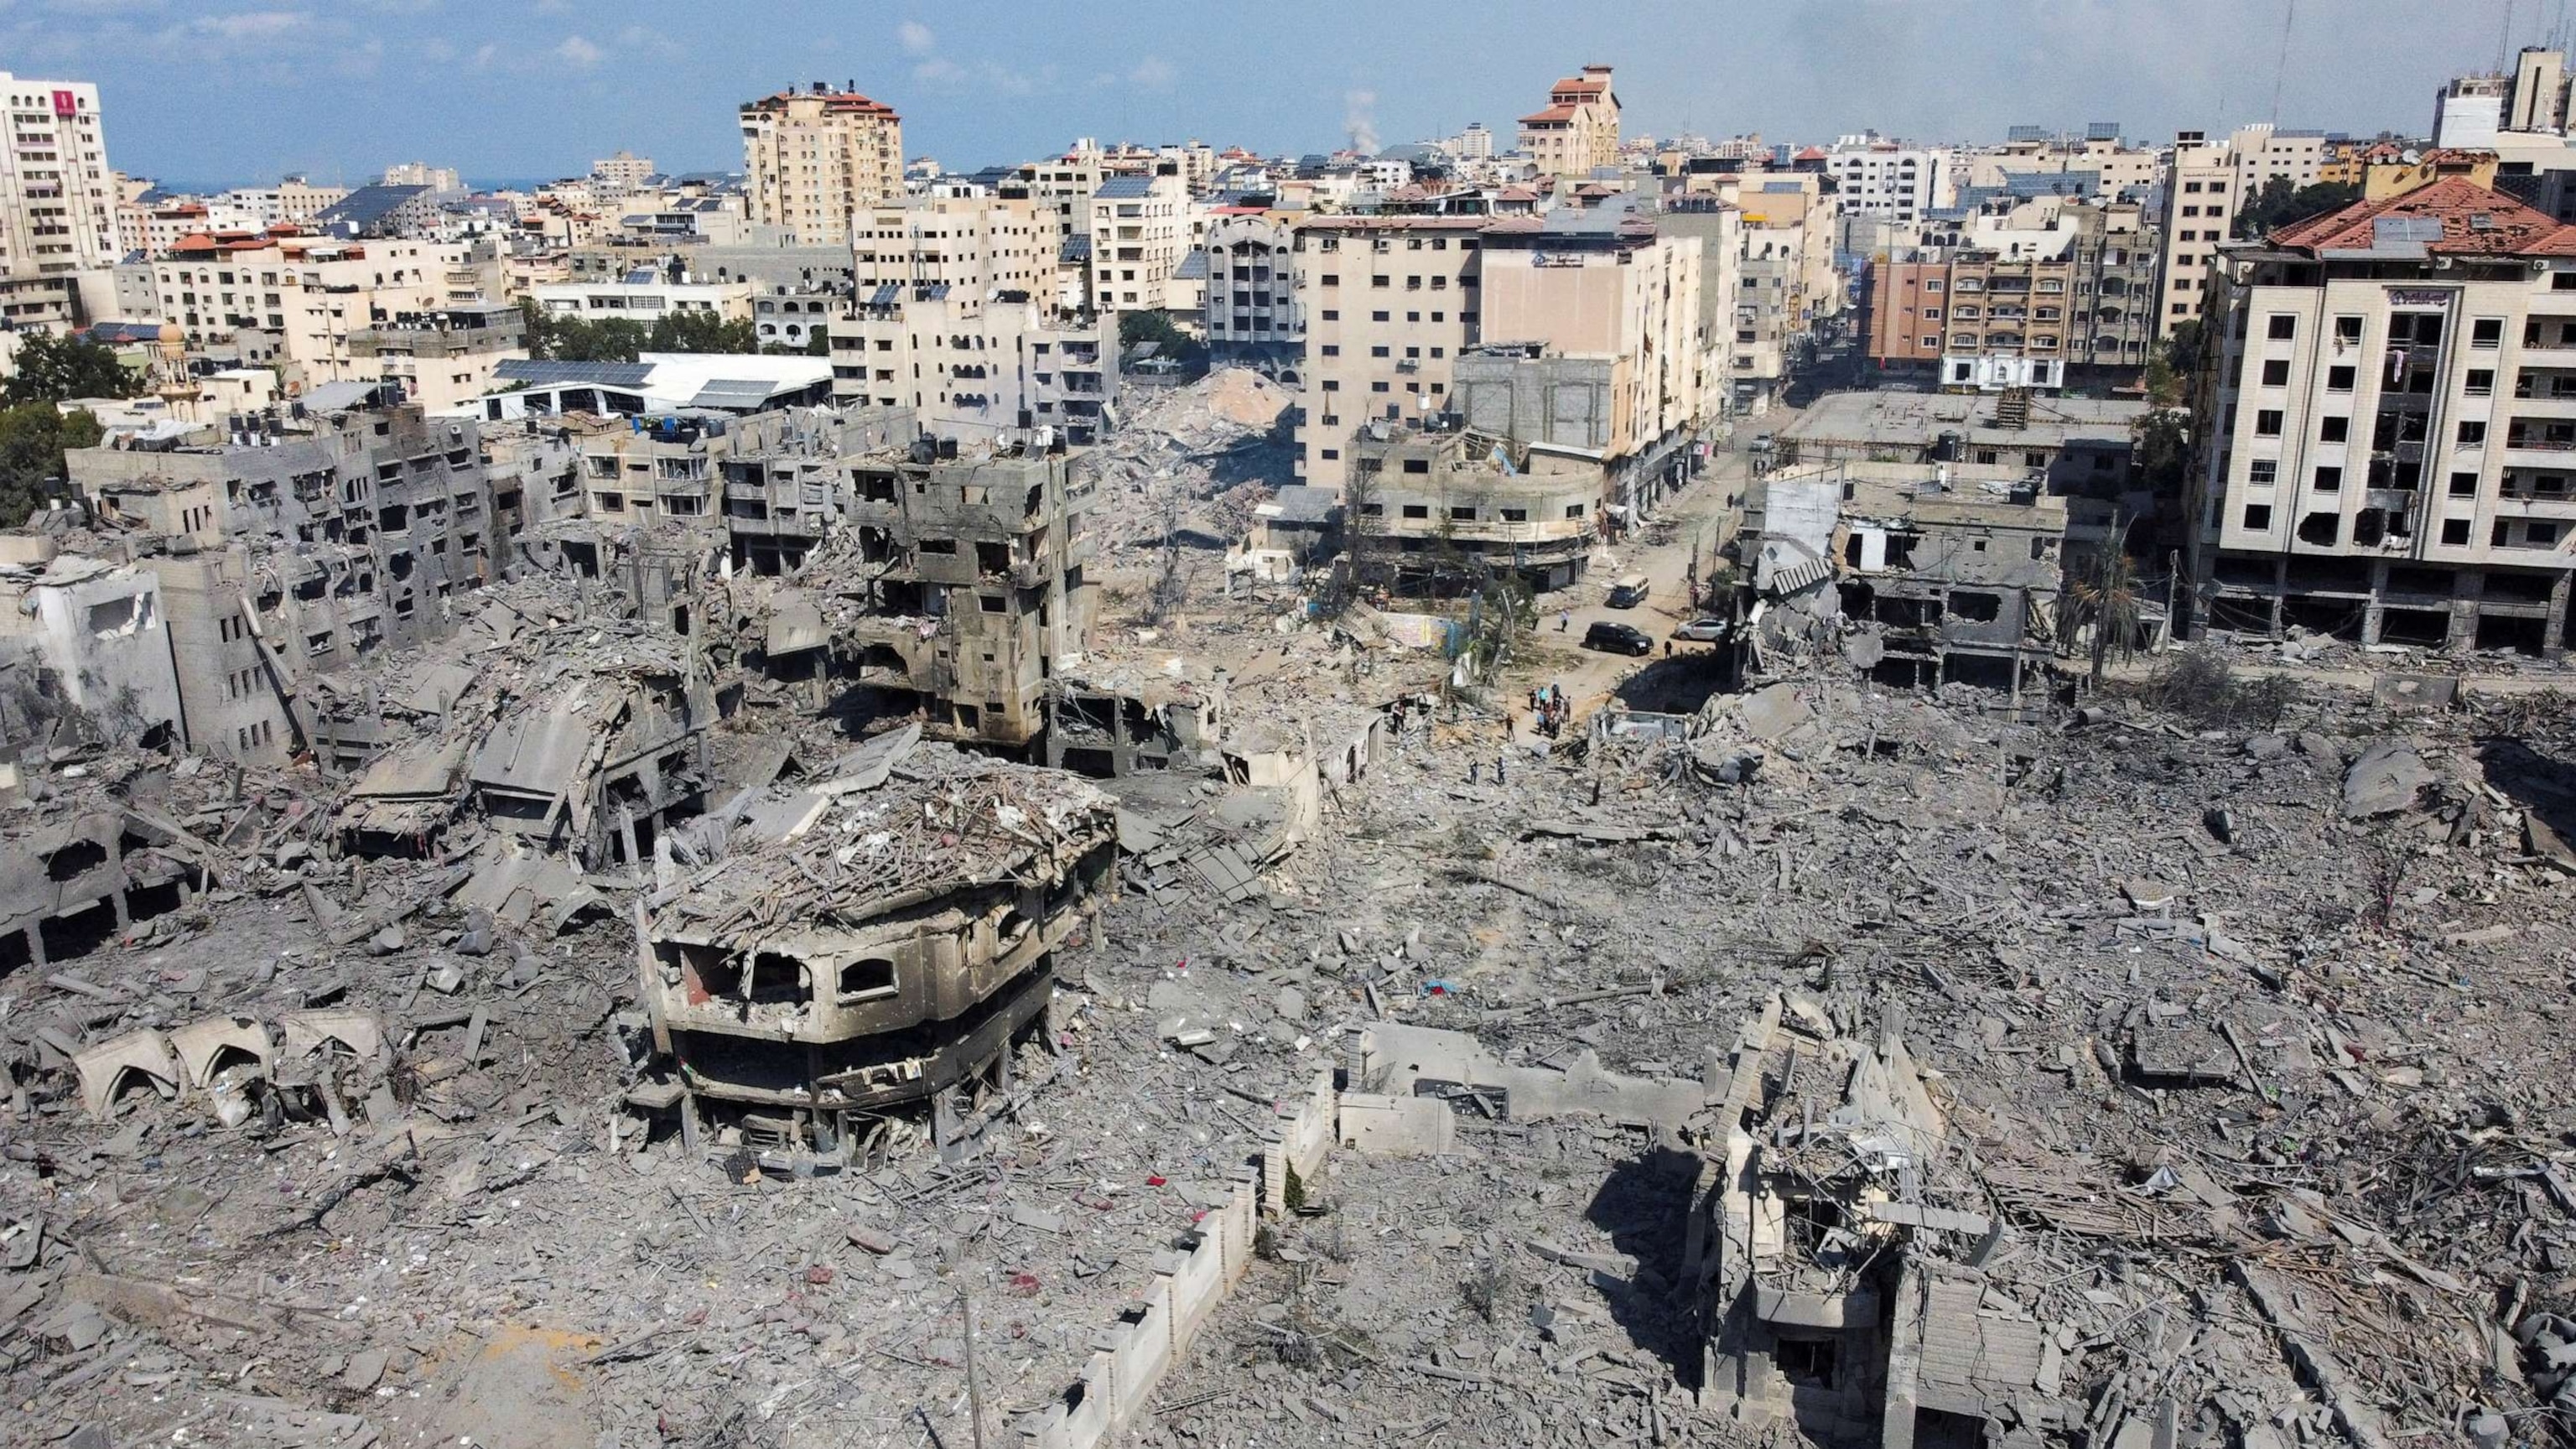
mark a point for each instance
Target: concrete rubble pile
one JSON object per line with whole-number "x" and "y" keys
{"x": 1189, "y": 459}
{"x": 611, "y": 1037}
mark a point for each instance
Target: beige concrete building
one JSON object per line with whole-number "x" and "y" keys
{"x": 2393, "y": 456}
{"x": 1616, "y": 291}
{"x": 812, "y": 159}
{"x": 955, "y": 238}
{"x": 443, "y": 358}
{"x": 1390, "y": 302}
{"x": 1142, "y": 229}
{"x": 622, "y": 173}
{"x": 1579, "y": 129}
{"x": 58, "y": 196}
{"x": 2201, "y": 194}
{"x": 295, "y": 302}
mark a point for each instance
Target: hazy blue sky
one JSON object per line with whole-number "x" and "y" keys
{"x": 244, "y": 89}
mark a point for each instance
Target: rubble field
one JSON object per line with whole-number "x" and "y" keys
{"x": 2245, "y": 1040}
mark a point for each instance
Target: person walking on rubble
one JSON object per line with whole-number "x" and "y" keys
{"x": 1475, "y": 772}
{"x": 1564, "y": 617}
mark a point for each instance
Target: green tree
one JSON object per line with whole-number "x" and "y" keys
{"x": 33, "y": 438}
{"x": 1136, "y": 327}
{"x": 2160, "y": 442}
{"x": 2282, "y": 202}
{"x": 56, "y": 369}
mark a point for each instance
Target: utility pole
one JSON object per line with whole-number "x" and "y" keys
{"x": 974, "y": 1380}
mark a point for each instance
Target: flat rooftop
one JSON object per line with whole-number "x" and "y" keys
{"x": 1916, "y": 419}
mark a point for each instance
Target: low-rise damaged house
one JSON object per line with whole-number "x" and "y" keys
{"x": 1832, "y": 1249}
{"x": 872, "y": 937}
{"x": 1449, "y": 506}
{"x": 1937, "y": 573}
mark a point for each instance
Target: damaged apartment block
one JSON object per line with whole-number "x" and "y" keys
{"x": 1835, "y": 1247}
{"x": 972, "y": 573}
{"x": 868, "y": 939}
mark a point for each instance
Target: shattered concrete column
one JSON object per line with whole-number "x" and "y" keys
{"x": 1904, "y": 1359}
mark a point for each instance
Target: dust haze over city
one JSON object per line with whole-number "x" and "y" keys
{"x": 1841, "y": 724}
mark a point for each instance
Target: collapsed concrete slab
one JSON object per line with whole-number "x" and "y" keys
{"x": 853, "y": 949}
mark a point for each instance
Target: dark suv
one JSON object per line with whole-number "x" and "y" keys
{"x": 1618, "y": 639}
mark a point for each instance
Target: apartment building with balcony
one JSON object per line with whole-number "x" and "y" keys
{"x": 813, "y": 159}
{"x": 58, "y": 195}
{"x": 645, "y": 296}
{"x": 296, "y": 302}
{"x": 1881, "y": 178}
{"x": 2039, "y": 293}
{"x": 1143, "y": 228}
{"x": 1390, "y": 303}
{"x": 445, "y": 357}
{"x": 976, "y": 366}
{"x": 1578, "y": 130}
{"x": 1253, "y": 308}
{"x": 2393, "y": 455}
{"x": 1447, "y": 505}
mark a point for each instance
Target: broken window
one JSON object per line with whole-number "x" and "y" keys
{"x": 1807, "y": 1362}
{"x": 776, "y": 979}
{"x": 1977, "y": 608}
{"x": 2320, "y": 528}
{"x": 871, "y": 977}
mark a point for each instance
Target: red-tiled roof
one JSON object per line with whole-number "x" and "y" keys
{"x": 844, "y": 101}
{"x": 2475, "y": 221}
{"x": 1552, "y": 113}
{"x": 1812, "y": 153}
{"x": 1583, "y": 84}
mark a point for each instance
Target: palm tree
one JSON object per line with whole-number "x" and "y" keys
{"x": 2107, "y": 600}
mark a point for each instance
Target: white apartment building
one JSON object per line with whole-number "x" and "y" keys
{"x": 1142, "y": 229}
{"x": 812, "y": 159}
{"x": 2202, "y": 193}
{"x": 975, "y": 366}
{"x": 58, "y": 195}
{"x": 956, "y": 236}
{"x": 1252, "y": 301}
{"x": 1873, "y": 177}
{"x": 645, "y": 300}
{"x": 2393, "y": 449}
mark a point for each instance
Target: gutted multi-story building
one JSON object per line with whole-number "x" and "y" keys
{"x": 812, "y": 159}
{"x": 324, "y": 532}
{"x": 1579, "y": 129}
{"x": 2391, "y": 450}
{"x": 975, "y": 582}
{"x": 976, "y": 365}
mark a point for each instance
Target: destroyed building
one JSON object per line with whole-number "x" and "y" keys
{"x": 867, "y": 939}
{"x": 1451, "y": 505}
{"x": 972, "y": 584}
{"x": 1941, "y": 573}
{"x": 1832, "y": 1248}
{"x": 293, "y": 542}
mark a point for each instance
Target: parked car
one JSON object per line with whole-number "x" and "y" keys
{"x": 1629, "y": 592}
{"x": 1618, "y": 639}
{"x": 1702, "y": 631}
